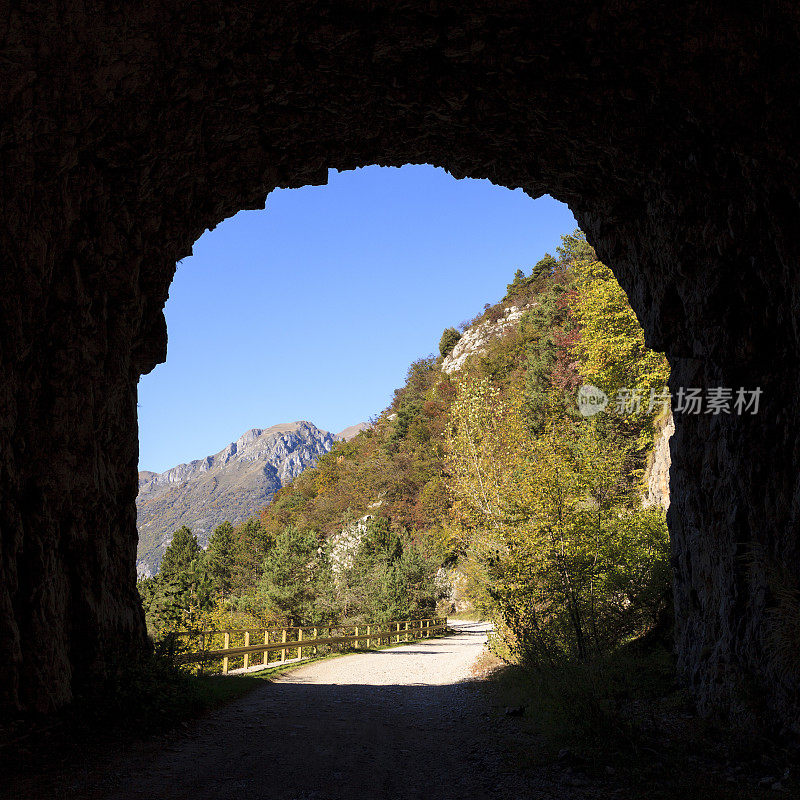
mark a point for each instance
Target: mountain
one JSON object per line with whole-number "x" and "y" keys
{"x": 232, "y": 485}
{"x": 351, "y": 432}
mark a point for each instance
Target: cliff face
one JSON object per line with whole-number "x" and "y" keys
{"x": 232, "y": 485}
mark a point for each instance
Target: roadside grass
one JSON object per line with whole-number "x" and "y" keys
{"x": 626, "y": 721}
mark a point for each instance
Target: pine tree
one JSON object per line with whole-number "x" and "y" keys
{"x": 514, "y": 288}
{"x": 544, "y": 267}
{"x": 220, "y": 557}
{"x": 252, "y": 542}
{"x": 449, "y": 340}
{"x": 182, "y": 551}
{"x": 287, "y": 583}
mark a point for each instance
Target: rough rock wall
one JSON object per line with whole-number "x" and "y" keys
{"x": 130, "y": 128}
{"x": 657, "y": 473}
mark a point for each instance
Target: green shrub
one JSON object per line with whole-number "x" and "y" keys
{"x": 448, "y": 341}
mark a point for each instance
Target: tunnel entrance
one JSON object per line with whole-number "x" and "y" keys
{"x": 129, "y": 134}
{"x": 376, "y": 532}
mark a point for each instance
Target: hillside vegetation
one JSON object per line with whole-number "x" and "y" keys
{"x": 488, "y": 469}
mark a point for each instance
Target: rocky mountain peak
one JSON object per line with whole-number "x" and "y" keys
{"x": 231, "y": 485}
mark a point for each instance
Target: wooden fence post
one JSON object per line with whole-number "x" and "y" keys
{"x": 283, "y": 641}
{"x": 300, "y": 649}
{"x": 225, "y": 646}
{"x": 266, "y": 652}
{"x": 315, "y": 636}
{"x": 356, "y": 637}
{"x": 246, "y": 644}
{"x": 369, "y": 627}
{"x": 406, "y": 630}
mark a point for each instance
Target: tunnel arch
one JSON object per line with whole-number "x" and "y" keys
{"x": 667, "y": 131}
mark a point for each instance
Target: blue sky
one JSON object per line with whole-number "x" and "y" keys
{"x": 314, "y": 307}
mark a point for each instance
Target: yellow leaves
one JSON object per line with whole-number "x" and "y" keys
{"x": 485, "y": 452}
{"x": 544, "y": 517}
{"x": 612, "y": 351}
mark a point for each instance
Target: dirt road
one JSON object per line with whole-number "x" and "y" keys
{"x": 393, "y": 724}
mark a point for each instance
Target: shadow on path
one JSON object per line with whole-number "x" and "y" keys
{"x": 303, "y": 741}
{"x": 380, "y": 725}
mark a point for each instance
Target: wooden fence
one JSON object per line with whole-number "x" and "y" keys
{"x": 240, "y": 646}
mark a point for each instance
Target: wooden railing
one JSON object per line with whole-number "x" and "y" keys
{"x": 295, "y": 639}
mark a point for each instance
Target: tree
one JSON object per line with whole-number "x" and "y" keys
{"x": 177, "y": 598}
{"x": 544, "y": 327}
{"x": 565, "y": 562}
{"x": 544, "y": 267}
{"x": 390, "y": 576}
{"x": 574, "y": 249}
{"x": 449, "y": 340}
{"x": 516, "y": 286}
{"x": 611, "y": 349}
{"x": 287, "y": 581}
{"x": 181, "y": 552}
{"x": 252, "y": 542}
{"x": 220, "y": 557}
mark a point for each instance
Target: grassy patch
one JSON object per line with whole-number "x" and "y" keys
{"x": 626, "y": 722}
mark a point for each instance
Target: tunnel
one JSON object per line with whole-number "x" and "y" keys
{"x": 670, "y": 130}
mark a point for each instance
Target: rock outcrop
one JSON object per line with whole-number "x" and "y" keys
{"x": 232, "y": 485}
{"x": 129, "y": 129}
{"x": 343, "y": 546}
{"x": 475, "y": 338}
{"x": 657, "y": 474}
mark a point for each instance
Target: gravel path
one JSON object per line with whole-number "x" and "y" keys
{"x": 392, "y": 724}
